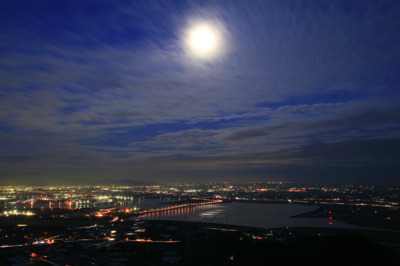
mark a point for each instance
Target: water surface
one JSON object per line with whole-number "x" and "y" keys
{"x": 249, "y": 214}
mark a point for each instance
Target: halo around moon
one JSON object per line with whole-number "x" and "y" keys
{"x": 204, "y": 40}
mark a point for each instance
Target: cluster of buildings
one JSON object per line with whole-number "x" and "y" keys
{"x": 99, "y": 224}
{"x": 80, "y": 197}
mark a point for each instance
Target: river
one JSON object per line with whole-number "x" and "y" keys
{"x": 248, "y": 214}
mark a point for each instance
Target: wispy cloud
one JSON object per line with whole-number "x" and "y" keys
{"x": 116, "y": 88}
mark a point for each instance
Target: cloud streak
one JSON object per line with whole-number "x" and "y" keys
{"x": 110, "y": 86}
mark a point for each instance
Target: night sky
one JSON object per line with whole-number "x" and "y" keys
{"x": 112, "y": 92}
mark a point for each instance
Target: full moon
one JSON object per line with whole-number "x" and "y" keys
{"x": 204, "y": 40}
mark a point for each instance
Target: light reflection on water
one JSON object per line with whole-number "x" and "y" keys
{"x": 235, "y": 213}
{"x": 248, "y": 214}
{"x": 65, "y": 204}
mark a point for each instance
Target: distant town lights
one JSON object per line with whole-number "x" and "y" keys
{"x": 16, "y": 212}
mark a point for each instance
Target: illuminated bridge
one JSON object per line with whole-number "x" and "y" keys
{"x": 178, "y": 208}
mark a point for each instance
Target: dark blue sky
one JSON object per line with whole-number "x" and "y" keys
{"x": 109, "y": 92}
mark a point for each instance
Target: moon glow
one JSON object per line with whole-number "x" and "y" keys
{"x": 204, "y": 41}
